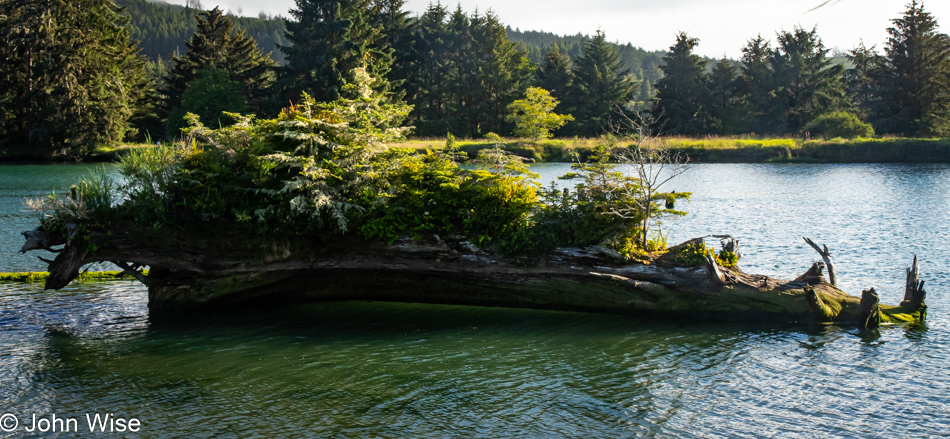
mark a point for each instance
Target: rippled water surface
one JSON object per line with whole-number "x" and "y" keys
{"x": 359, "y": 369}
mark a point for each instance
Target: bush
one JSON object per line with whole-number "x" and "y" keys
{"x": 839, "y": 124}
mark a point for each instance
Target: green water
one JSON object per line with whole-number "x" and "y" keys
{"x": 361, "y": 369}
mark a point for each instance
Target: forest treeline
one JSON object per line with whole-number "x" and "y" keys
{"x": 74, "y": 78}
{"x": 793, "y": 85}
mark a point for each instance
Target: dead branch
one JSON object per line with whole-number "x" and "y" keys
{"x": 826, "y": 256}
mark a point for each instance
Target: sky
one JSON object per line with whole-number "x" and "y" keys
{"x": 722, "y": 26}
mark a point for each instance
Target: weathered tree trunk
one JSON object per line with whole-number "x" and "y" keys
{"x": 183, "y": 274}
{"x": 826, "y": 256}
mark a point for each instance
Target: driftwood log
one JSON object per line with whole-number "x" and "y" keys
{"x": 185, "y": 273}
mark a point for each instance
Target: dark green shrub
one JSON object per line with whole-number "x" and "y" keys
{"x": 839, "y": 124}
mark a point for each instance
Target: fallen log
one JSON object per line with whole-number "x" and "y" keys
{"x": 184, "y": 274}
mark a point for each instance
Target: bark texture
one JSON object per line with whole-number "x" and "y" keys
{"x": 189, "y": 274}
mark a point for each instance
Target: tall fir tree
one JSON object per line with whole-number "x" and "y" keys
{"x": 426, "y": 88}
{"x": 756, "y": 85}
{"x": 682, "y": 95}
{"x": 915, "y": 79}
{"x": 70, "y": 77}
{"x": 466, "y": 74}
{"x": 555, "y": 74}
{"x": 398, "y": 31}
{"x": 861, "y": 80}
{"x": 331, "y": 40}
{"x": 216, "y": 45}
{"x": 808, "y": 84}
{"x": 501, "y": 75}
{"x": 601, "y": 86}
{"x": 723, "y": 105}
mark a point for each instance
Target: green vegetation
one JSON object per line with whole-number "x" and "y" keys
{"x": 321, "y": 171}
{"x": 162, "y": 28}
{"x": 70, "y": 79}
{"x": 725, "y": 149}
{"x": 223, "y": 70}
{"x": 839, "y": 124}
{"x": 534, "y": 116}
{"x": 39, "y": 276}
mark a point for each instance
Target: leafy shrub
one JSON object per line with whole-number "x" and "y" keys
{"x": 839, "y": 124}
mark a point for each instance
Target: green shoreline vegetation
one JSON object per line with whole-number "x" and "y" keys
{"x": 91, "y": 276}
{"x": 713, "y": 149}
{"x": 721, "y": 149}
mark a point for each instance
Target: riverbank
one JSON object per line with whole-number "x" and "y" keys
{"x": 699, "y": 150}
{"x": 102, "y": 154}
{"x": 726, "y": 149}
{"x": 40, "y": 276}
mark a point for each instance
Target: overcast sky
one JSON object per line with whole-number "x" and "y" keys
{"x": 723, "y": 26}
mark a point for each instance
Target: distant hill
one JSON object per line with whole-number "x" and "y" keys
{"x": 163, "y": 28}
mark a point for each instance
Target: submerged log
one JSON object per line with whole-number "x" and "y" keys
{"x": 187, "y": 273}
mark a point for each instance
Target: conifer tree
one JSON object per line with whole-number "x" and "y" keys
{"x": 555, "y": 74}
{"x": 70, "y": 77}
{"x": 756, "y": 84}
{"x": 466, "y": 73}
{"x": 682, "y": 94}
{"x": 915, "y": 81}
{"x": 501, "y": 75}
{"x": 331, "y": 39}
{"x": 601, "y": 85}
{"x": 723, "y": 110}
{"x": 861, "y": 80}
{"x": 808, "y": 84}
{"x": 426, "y": 88}
{"x": 398, "y": 31}
{"x": 215, "y": 44}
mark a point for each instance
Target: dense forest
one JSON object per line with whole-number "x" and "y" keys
{"x": 162, "y": 30}
{"x": 75, "y": 78}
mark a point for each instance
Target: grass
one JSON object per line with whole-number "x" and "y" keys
{"x": 731, "y": 149}
{"x": 710, "y": 149}
{"x": 39, "y": 276}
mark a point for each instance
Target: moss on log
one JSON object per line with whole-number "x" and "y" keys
{"x": 186, "y": 274}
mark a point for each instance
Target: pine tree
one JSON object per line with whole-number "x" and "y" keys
{"x": 215, "y": 44}
{"x": 601, "y": 85}
{"x": 723, "y": 106}
{"x": 861, "y": 80}
{"x": 682, "y": 95}
{"x": 461, "y": 88}
{"x": 501, "y": 75}
{"x": 756, "y": 86}
{"x": 915, "y": 82}
{"x": 426, "y": 89}
{"x": 398, "y": 32}
{"x": 330, "y": 40}
{"x": 70, "y": 76}
{"x": 809, "y": 85}
{"x": 555, "y": 75}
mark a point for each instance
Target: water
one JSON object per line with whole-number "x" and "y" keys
{"x": 365, "y": 369}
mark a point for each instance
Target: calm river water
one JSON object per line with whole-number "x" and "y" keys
{"x": 358, "y": 369}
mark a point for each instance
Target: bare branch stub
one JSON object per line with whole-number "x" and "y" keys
{"x": 870, "y": 309}
{"x": 826, "y": 256}
{"x": 715, "y": 274}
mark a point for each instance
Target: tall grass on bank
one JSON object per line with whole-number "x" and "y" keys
{"x": 714, "y": 149}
